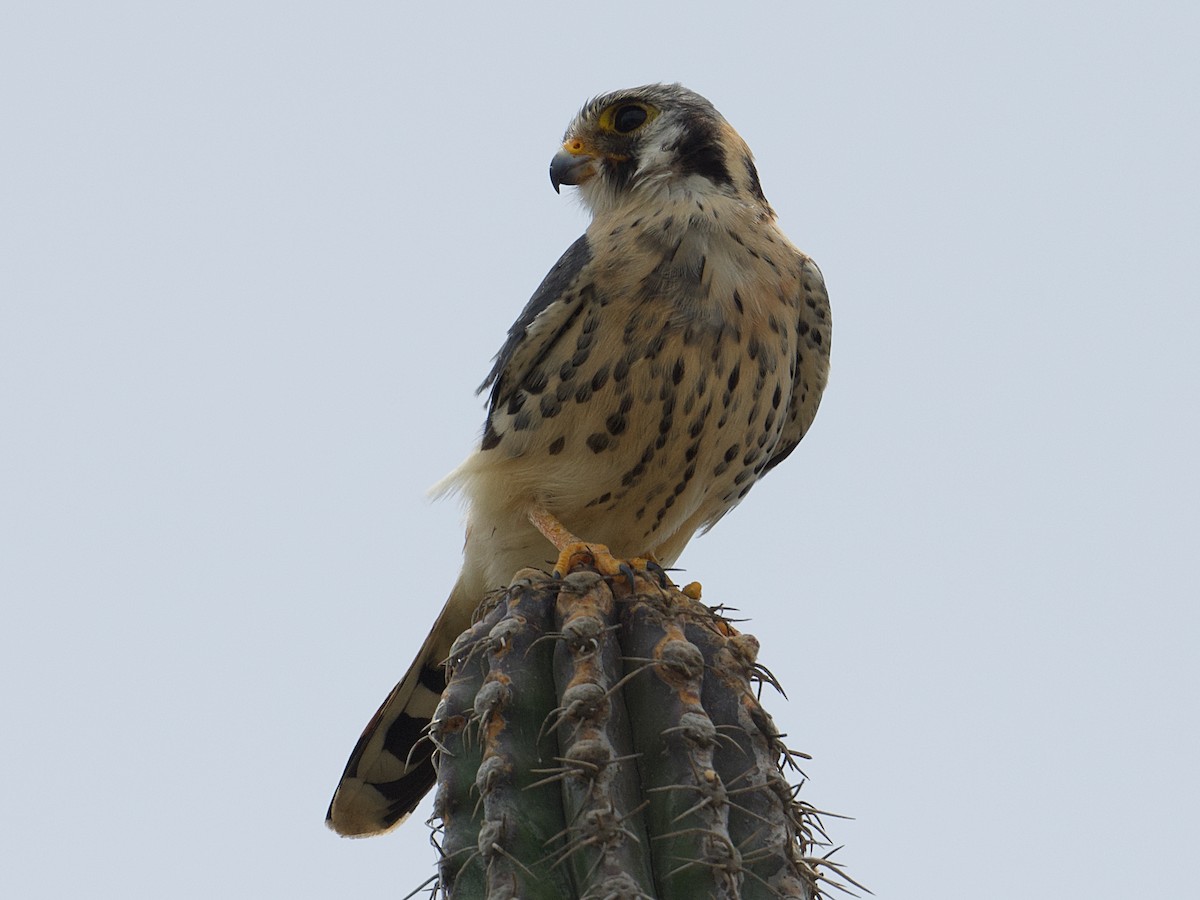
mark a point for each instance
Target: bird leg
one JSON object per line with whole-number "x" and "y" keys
{"x": 572, "y": 551}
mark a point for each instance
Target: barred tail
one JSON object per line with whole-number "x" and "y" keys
{"x": 390, "y": 768}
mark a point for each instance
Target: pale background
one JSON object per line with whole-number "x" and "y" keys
{"x": 255, "y": 257}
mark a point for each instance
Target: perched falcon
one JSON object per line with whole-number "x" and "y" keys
{"x": 673, "y": 356}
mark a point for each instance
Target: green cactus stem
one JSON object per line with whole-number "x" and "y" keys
{"x": 605, "y": 741}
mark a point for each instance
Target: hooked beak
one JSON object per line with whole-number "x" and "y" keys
{"x": 573, "y": 164}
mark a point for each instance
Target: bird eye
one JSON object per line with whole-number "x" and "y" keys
{"x": 628, "y": 118}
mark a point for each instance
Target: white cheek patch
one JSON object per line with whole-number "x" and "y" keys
{"x": 657, "y": 156}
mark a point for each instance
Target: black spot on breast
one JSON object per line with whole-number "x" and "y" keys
{"x": 615, "y": 424}
{"x": 677, "y": 371}
{"x": 556, "y": 446}
{"x": 523, "y": 421}
{"x": 681, "y": 486}
{"x": 598, "y": 442}
{"x": 632, "y": 325}
{"x": 737, "y": 301}
{"x": 734, "y": 375}
{"x": 599, "y": 378}
{"x": 550, "y": 407}
{"x": 636, "y": 472}
{"x": 655, "y": 346}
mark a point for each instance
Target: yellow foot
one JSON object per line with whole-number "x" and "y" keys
{"x": 573, "y": 552}
{"x": 596, "y": 555}
{"x": 602, "y": 560}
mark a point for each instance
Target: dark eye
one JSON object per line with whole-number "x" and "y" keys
{"x": 628, "y": 118}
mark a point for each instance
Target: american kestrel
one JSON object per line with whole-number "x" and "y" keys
{"x": 674, "y": 355}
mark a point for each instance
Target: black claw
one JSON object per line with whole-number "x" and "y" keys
{"x": 627, "y": 571}
{"x": 663, "y": 581}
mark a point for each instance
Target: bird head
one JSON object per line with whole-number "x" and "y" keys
{"x": 652, "y": 142}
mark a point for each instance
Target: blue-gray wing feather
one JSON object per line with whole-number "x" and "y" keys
{"x": 521, "y": 353}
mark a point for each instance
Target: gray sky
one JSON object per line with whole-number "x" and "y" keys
{"x": 257, "y": 256}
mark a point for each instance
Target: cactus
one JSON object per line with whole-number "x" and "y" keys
{"x": 605, "y": 740}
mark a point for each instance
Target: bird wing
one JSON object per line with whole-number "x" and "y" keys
{"x": 546, "y": 317}
{"x": 812, "y": 363}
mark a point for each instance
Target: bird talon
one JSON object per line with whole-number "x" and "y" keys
{"x": 627, "y": 571}
{"x": 652, "y": 566}
{"x": 602, "y": 560}
{"x": 579, "y": 553}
